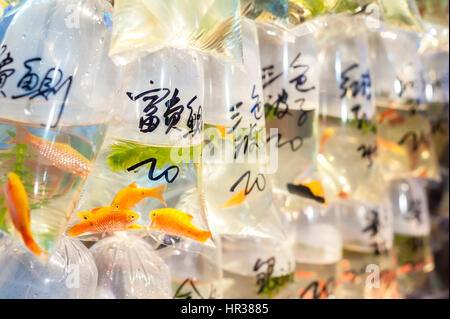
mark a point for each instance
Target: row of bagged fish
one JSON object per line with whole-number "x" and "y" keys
{"x": 259, "y": 156}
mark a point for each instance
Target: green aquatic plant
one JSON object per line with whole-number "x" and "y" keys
{"x": 275, "y": 284}
{"x": 125, "y": 154}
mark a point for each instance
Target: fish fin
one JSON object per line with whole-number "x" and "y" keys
{"x": 22, "y": 135}
{"x": 96, "y": 209}
{"x": 236, "y": 200}
{"x": 76, "y": 230}
{"x": 136, "y": 227}
{"x": 32, "y": 245}
{"x": 159, "y": 192}
{"x": 132, "y": 185}
{"x": 203, "y": 236}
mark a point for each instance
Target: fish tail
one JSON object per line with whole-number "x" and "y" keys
{"x": 236, "y": 200}
{"x": 158, "y": 193}
{"x": 76, "y": 230}
{"x": 32, "y": 245}
{"x": 203, "y": 235}
{"x": 22, "y": 135}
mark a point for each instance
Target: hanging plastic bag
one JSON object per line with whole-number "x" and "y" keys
{"x": 412, "y": 235}
{"x": 200, "y": 275}
{"x": 128, "y": 268}
{"x": 69, "y": 273}
{"x": 149, "y": 25}
{"x": 404, "y": 138}
{"x": 318, "y": 251}
{"x": 56, "y": 93}
{"x": 147, "y": 174}
{"x": 257, "y": 259}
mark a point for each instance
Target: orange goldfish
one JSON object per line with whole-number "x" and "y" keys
{"x": 236, "y": 200}
{"x": 131, "y": 195}
{"x": 393, "y": 147}
{"x": 329, "y": 132}
{"x": 304, "y": 274}
{"x": 19, "y": 210}
{"x": 104, "y": 220}
{"x": 177, "y": 223}
{"x": 343, "y": 194}
{"x": 312, "y": 190}
{"x": 393, "y": 117}
{"x": 59, "y": 155}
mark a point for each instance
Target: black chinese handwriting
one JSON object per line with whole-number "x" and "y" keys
{"x": 318, "y": 289}
{"x": 5, "y": 73}
{"x": 256, "y": 109}
{"x": 414, "y": 139}
{"x": 263, "y": 277}
{"x": 367, "y": 151}
{"x": 354, "y": 87}
{"x": 187, "y": 295}
{"x": 268, "y": 76}
{"x": 34, "y": 86}
{"x": 301, "y": 79}
{"x": 374, "y": 224}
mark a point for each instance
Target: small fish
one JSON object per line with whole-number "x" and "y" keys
{"x": 349, "y": 276}
{"x": 59, "y": 155}
{"x": 87, "y": 215}
{"x": 236, "y": 200}
{"x": 312, "y": 190}
{"x": 222, "y": 131}
{"x": 304, "y": 274}
{"x": 343, "y": 194}
{"x": 405, "y": 269}
{"x": 131, "y": 195}
{"x": 386, "y": 114}
{"x": 177, "y": 223}
{"x": 390, "y": 146}
{"x": 106, "y": 220}
{"x": 19, "y": 210}
{"x": 329, "y": 132}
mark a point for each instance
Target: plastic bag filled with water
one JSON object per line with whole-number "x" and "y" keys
{"x": 257, "y": 259}
{"x": 69, "y": 273}
{"x": 148, "y": 174}
{"x": 149, "y": 25}
{"x": 404, "y": 132}
{"x": 412, "y": 228}
{"x": 195, "y": 269}
{"x": 57, "y": 92}
{"x": 128, "y": 268}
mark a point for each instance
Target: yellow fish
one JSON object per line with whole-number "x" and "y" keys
{"x": 393, "y": 147}
{"x": 236, "y": 200}
{"x": 329, "y": 132}
{"x": 19, "y": 210}
{"x": 59, "y": 155}
{"x": 105, "y": 220}
{"x": 131, "y": 195}
{"x": 177, "y": 223}
{"x": 312, "y": 190}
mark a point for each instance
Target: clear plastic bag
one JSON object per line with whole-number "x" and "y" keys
{"x": 237, "y": 178}
{"x": 9, "y": 7}
{"x": 412, "y": 229}
{"x": 57, "y": 93}
{"x": 147, "y": 176}
{"x": 404, "y": 133}
{"x": 290, "y": 69}
{"x": 69, "y": 273}
{"x": 128, "y": 268}
{"x": 317, "y": 245}
{"x": 347, "y": 155}
{"x": 142, "y": 26}
{"x": 195, "y": 269}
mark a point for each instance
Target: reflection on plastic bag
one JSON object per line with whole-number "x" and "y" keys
{"x": 56, "y": 93}
{"x": 69, "y": 273}
{"x": 200, "y": 275}
{"x": 9, "y": 7}
{"x": 149, "y": 25}
{"x": 147, "y": 173}
{"x": 128, "y": 268}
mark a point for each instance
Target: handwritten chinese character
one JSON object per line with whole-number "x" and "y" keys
{"x": 5, "y": 73}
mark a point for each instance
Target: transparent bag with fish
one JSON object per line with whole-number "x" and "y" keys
{"x": 412, "y": 230}
{"x": 57, "y": 90}
{"x": 149, "y": 25}
{"x": 147, "y": 177}
{"x": 404, "y": 132}
{"x": 128, "y": 268}
{"x": 347, "y": 156}
{"x": 70, "y": 273}
{"x": 257, "y": 258}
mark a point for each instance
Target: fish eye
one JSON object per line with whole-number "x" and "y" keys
{"x": 154, "y": 214}
{"x": 132, "y": 216}
{"x": 85, "y": 217}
